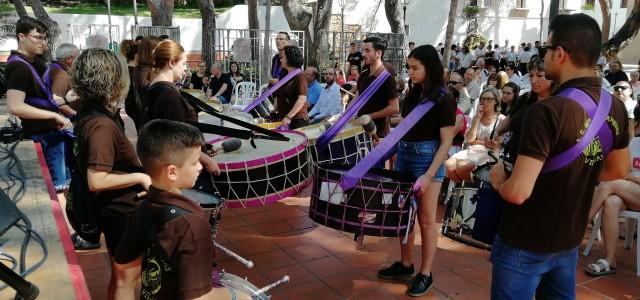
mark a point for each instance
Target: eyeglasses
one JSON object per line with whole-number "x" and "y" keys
{"x": 454, "y": 82}
{"x": 486, "y": 99}
{"x": 40, "y": 38}
{"x": 619, "y": 88}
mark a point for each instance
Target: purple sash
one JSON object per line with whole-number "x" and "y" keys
{"x": 271, "y": 90}
{"x": 351, "y": 178}
{"x": 598, "y": 126}
{"x": 47, "y": 75}
{"x": 35, "y": 101}
{"x": 328, "y": 135}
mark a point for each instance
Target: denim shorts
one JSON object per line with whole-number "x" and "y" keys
{"x": 54, "y": 147}
{"x": 522, "y": 274}
{"x": 416, "y": 157}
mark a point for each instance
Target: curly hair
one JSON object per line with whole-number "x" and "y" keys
{"x": 100, "y": 77}
{"x": 294, "y": 56}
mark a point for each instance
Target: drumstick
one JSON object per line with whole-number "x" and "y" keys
{"x": 350, "y": 93}
{"x": 265, "y": 289}
{"x": 242, "y": 260}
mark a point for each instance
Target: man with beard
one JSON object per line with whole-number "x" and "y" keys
{"x": 329, "y": 103}
{"x": 282, "y": 39}
{"x": 384, "y": 102}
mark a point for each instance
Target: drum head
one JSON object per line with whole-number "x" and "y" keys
{"x": 206, "y": 200}
{"x": 241, "y": 286}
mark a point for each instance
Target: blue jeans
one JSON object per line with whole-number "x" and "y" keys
{"x": 54, "y": 147}
{"x": 416, "y": 157}
{"x": 521, "y": 274}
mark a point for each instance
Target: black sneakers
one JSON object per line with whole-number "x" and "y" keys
{"x": 395, "y": 271}
{"x": 81, "y": 244}
{"x": 420, "y": 285}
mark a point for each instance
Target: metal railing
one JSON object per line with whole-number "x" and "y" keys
{"x": 78, "y": 33}
{"x": 172, "y": 32}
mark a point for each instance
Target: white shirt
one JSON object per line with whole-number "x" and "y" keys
{"x": 512, "y": 56}
{"x": 634, "y": 148}
{"x": 525, "y": 58}
{"x": 630, "y": 105}
{"x": 497, "y": 53}
{"x": 474, "y": 88}
{"x": 329, "y": 103}
{"x": 484, "y": 132}
{"x": 515, "y": 78}
{"x": 480, "y": 51}
{"x": 466, "y": 60}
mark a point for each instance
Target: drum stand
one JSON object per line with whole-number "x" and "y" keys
{"x": 451, "y": 203}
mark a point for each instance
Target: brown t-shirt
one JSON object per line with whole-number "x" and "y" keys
{"x": 185, "y": 239}
{"x": 142, "y": 80}
{"x": 287, "y": 95}
{"x": 443, "y": 114}
{"x": 60, "y": 81}
{"x": 105, "y": 147}
{"x": 165, "y": 102}
{"x": 554, "y": 217}
{"x": 379, "y": 100}
{"x": 19, "y": 77}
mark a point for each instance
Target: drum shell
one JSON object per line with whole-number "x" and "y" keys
{"x": 364, "y": 201}
{"x": 349, "y": 146}
{"x": 262, "y": 110}
{"x": 488, "y": 215}
{"x": 240, "y": 285}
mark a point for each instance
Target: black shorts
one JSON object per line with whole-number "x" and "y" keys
{"x": 113, "y": 215}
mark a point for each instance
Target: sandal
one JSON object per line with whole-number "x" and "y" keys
{"x": 599, "y": 268}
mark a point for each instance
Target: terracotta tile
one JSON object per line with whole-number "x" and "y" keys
{"x": 325, "y": 267}
{"x": 452, "y": 284}
{"x": 289, "y": 238}
{"x": 248, "y": 210}
{"x": 311, "y": 291}
{"x": 236, "y": 268}
{"x": 238, "y": 234}
{"x": 289, "y": 212}
{"x": 339, "y": 245}
{"x": 320, "y": 233}
{"x": 297, "y": 274}
{"x": 398, "y": 289}
{"x": 300, "y": 222}
{"x": 347, "y": 284}
{"x": 584, "y": 293}
{"x": 231, "y": 223}
{"x": 478, "y": 275}
{"x": 377, "y": 294}
{"x": 613, "y": 288}
{"x": 254, "y": 245}
{"x": 306, "y": 252}
{"x": 260, "y": 217}
{"x": 363, "y": 259}
{"x": 272, "y": 227}
{"x": 271, "y": 260}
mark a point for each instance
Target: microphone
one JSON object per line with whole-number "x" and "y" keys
{"x": 229, "y": 145}
{"x": 369, "y": 126}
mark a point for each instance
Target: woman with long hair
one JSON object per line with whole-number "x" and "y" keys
{"x": 105, "y": 152}
{"x": 509, "y": 99}
{"x": 144, "y": 67}
{"x": 421, "y": 152}
{"x": 235, "y": 73}
{"x": 291, "y": 98}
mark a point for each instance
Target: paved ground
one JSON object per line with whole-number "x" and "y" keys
{"x": 324, "y": 263}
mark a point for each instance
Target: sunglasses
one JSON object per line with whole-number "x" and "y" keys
{"x": 454, "y": 82}
{"x": 618, "y": 88}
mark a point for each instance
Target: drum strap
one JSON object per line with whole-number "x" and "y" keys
{"x": 351, "y": 178}
{"x": 271, "y": 90}
{"x": 598, "y": 127}
{"x": 357, "y": 104}
{"x": 151, "y": 224}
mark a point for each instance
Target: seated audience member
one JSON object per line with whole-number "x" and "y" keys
{"x": 623, "y": 92}
{"x": 461, "y": 125}
{"x": 610, "y": 198}
{"x": 168, "y": 229}
{"x": 464, "y": 100}
{"x": 235, "y": 73}
{"x": 635, "y": 84}
{"x": 473, "y": 84}
{"x": 197, "y": 78}
{"x": 221, "y": 85}
{"x": 313, "y": 85}
{"x": 483, "y": 126}
{"x": 354, "y": 74}
{"x": 509, "y": 98}
{"x": 514, "y": 77}
{"x": 340, "y": 80}
{"x": 329, "y": 103}
{"x": 616, "y": 73}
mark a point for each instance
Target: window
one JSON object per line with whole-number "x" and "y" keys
{"x": 521, "y": 4}
{"x": 623, "y": 3}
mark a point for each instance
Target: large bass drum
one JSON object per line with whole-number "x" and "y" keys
{"x": 349, "y": 146}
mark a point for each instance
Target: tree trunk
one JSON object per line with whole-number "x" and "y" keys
{"x": 627, "y": 32}
{"x": 266, "y": 50}
{"x": 299, "y": 17}
{"x": 606, "y": 19}
{"x": 320, "y": 31}
{"x": 254, "y": 25}
{"x": 448, "y": 40}
{"x": 541, "y": 20}
{"x": 54, "y": 32}
{"x": 554, "y": 9}
{"x": 208, "y": 30}
{"x": 394, "y": 16}
{"x": 20, "y": 9}
{"x": 162, "y": 12}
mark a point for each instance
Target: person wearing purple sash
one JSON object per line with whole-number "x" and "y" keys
{"x": 29, "y": 99}
{"x": 277, "y": 71}
{"x": 58, "y": 79}
{"x": 535, "y": 252}
{"x": 421, "y": 153}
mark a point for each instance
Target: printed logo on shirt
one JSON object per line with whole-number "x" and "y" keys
{"x": 595, "y": 152}
{"x": 152, "y": 271}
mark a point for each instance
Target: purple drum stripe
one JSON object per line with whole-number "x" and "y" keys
{"x": 233, "y": 166}
{"x": 398, "y": 228}
{"x": 271, "y": 198}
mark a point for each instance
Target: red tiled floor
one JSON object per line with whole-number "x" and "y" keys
{"x": 583, "y": 293}
{"x": 271, "y": 260}
{"x": 613, "y": 288}
{"x": 314, "y": 290}
{"x": 306, "y": 252}
{"x": 255, "y": 245}
{"x": 297, "y": 274}
{"x": 325, "y": 267}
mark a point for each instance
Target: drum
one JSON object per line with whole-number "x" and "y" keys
{"x": 202, "y": 96}
{"x": 272, "y": 171}
{"x": 347, "y": 147}
{"x": 378, "y": 205}
{"x": 269, "y": 125}
{"x": 488, "y": 214}
{"x": 240, "y": 285}
{"x": 209, "y": 119}
{"x": 212, "y": 203}
{"x": 262, "y": 110}
{"x": 460, "y": 209}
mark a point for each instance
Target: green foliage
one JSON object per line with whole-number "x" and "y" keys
{"x": 474, "y": 40}
{"x": 470, "y": 12}
{"x": 588, "y": 6}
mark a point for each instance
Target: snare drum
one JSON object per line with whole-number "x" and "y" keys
{"x": 271, "y": 172}
{"x": 211, "y": 203}
{"x": 349, "y": 146}
{"x": 376, "y": 206}
{"x": 239, "y": 285}
{"x": 262, "y": 110}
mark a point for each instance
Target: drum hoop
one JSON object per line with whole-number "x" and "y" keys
{"x": 269, "y": 198}
{"x": 358, "y": 186}
{"x": 258, "y": 162}
{"x": 343, "y": 134}
{"x": 362, "y": 224}
{"x": 270, "y": 125}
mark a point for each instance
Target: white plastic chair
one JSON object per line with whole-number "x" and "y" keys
{"x": 632, "y": 221}
{"x": 244, "y": 92}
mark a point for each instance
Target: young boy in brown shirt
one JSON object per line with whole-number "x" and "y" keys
{"x": 168, "y": 235}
